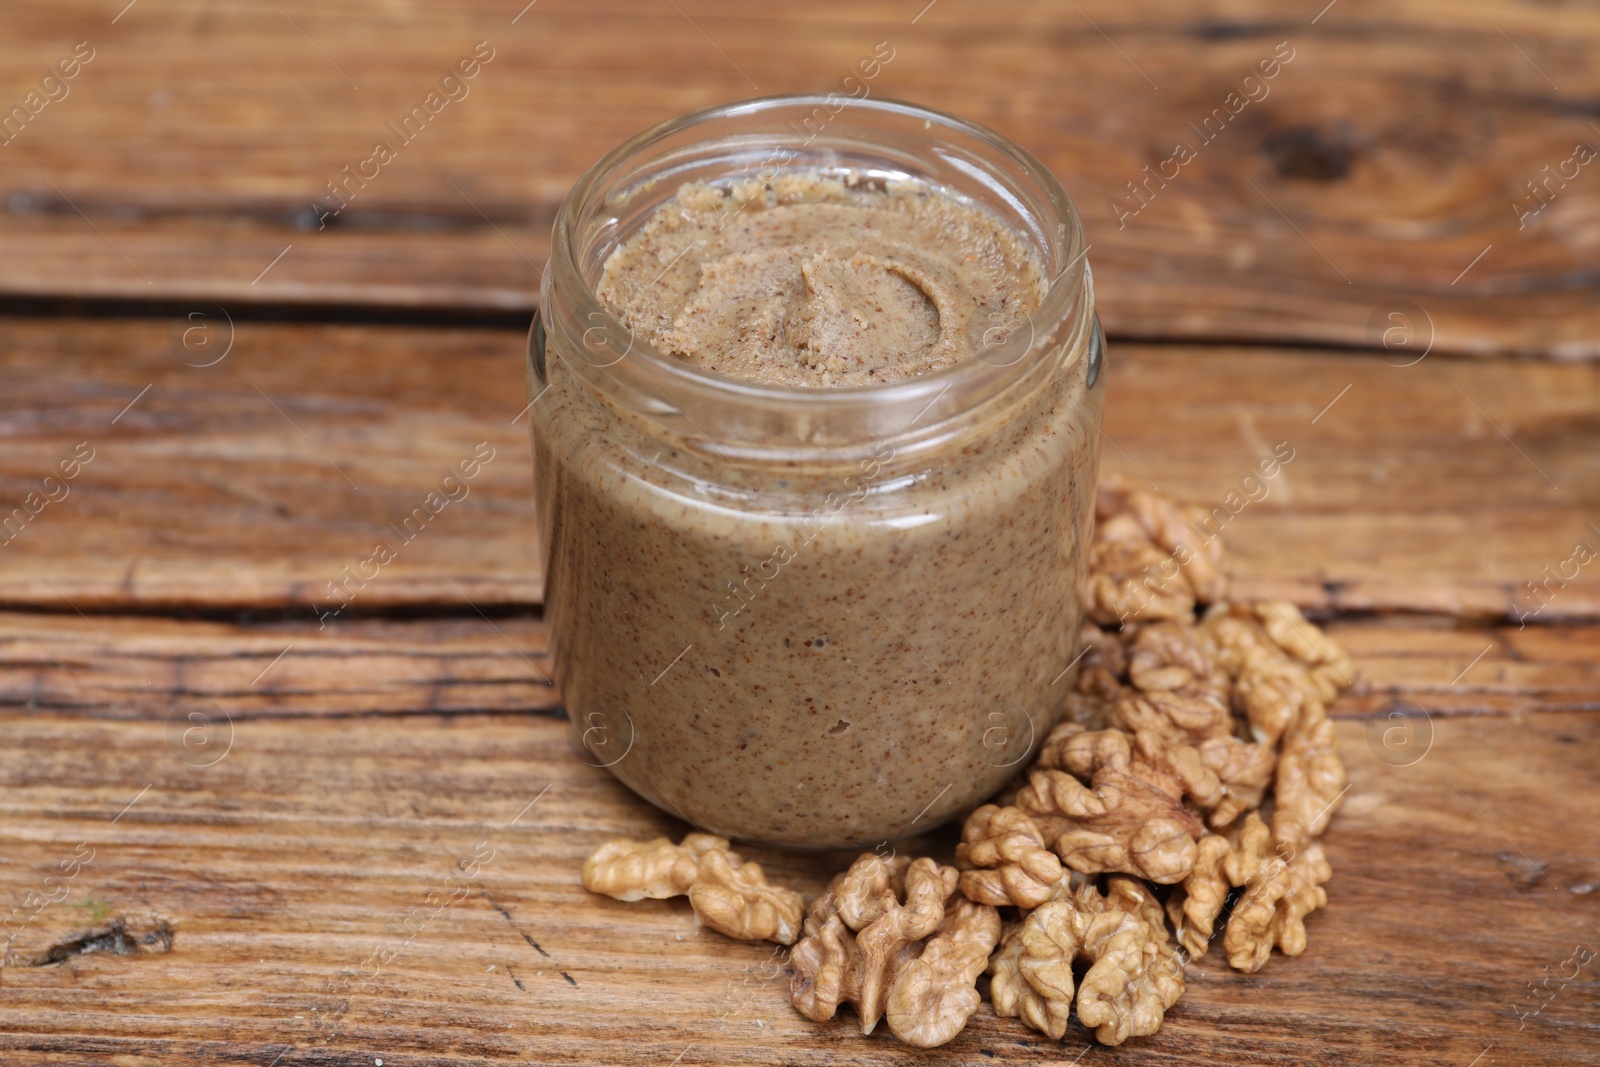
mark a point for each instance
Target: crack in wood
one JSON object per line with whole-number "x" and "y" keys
{"x": 116, "y": 939}
{"x": 443, "y": 216}
{"x": 420, "y": 610}
{"x": 573, "y": 982}
{"x": 442, "y": 316}
{"x": 507, "y": 915}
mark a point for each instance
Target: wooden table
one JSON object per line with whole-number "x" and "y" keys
{"x": 215, "y": 809}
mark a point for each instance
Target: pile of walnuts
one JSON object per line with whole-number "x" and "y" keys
{"x": 1194, "y": 765}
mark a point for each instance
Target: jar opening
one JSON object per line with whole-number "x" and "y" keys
{"x": 875, "y": 139}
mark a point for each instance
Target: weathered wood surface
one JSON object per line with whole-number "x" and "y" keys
{"x": 283, "y": 866}
{"x": 1439, "y": 487}
{"x": 1389, "y": 153}
{"x": 253, "y": 801}
{"x": 286, "y": 835}
{"x": 143, "y": 668}
{"x": 253, "y": 483}
{"x": 140, "y": 668}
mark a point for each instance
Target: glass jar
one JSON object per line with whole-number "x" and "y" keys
{"x": 813, "y": 617}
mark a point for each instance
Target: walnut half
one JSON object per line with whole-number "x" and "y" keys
{"x": 935, "y": 994}
{"x": 1273, "y": 910}
{"x": 1005, "y": 860}
{"x": 894, "y": 938}
{"x": 734, "y": 898}
{"x": 1134, "y": 975}
{"x": 634, "y": 870}
{"x": 1032, "y": 972}
{"x": 729, "y": 895}
{"x": 1130, "y": 817}
{"x": 1195, "y": 904}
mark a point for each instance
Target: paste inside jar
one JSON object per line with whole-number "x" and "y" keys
{"x": 824, "y": 653}
{"x": 814, "y": 280}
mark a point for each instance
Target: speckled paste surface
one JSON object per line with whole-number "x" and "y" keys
{"x": 806, "y": 280}
{"x": 829, "y": 654}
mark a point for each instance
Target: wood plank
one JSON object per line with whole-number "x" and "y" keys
{"x": 471, "y": 268}
{"x": 282, "y": 868}
{"x": 254, "y": 483}
{"x": 1444, "y": 486}
{"x": 1442, "y": 667}
{"x": 143, "y": 668}
{"x": 224, "y": 488}
{"x": 140, "y": 668}
{"x": 1353, "y": 184}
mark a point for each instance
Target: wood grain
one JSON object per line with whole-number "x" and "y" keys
{"x": 255, "y": 795}
{"x": 1441, "y": 487}
{"x": 254, "y": 483}
{"x": 1383, "y": 161}
{"x": 140, "y": 668}
{"x": 144, "y": 668}
{"x": 283, "y": 867}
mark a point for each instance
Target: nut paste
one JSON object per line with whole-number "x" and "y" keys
{"x": 818, "y": 652}
{"x": 807, "y": 281}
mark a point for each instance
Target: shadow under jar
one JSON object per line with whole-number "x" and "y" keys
{"x": 814, "y": 617}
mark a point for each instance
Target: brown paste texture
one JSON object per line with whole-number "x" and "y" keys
{"x": 814, "y": 280}
{"x": 839, "y": 649}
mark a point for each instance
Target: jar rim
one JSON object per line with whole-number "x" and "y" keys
{"x": 647, "y": 370}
